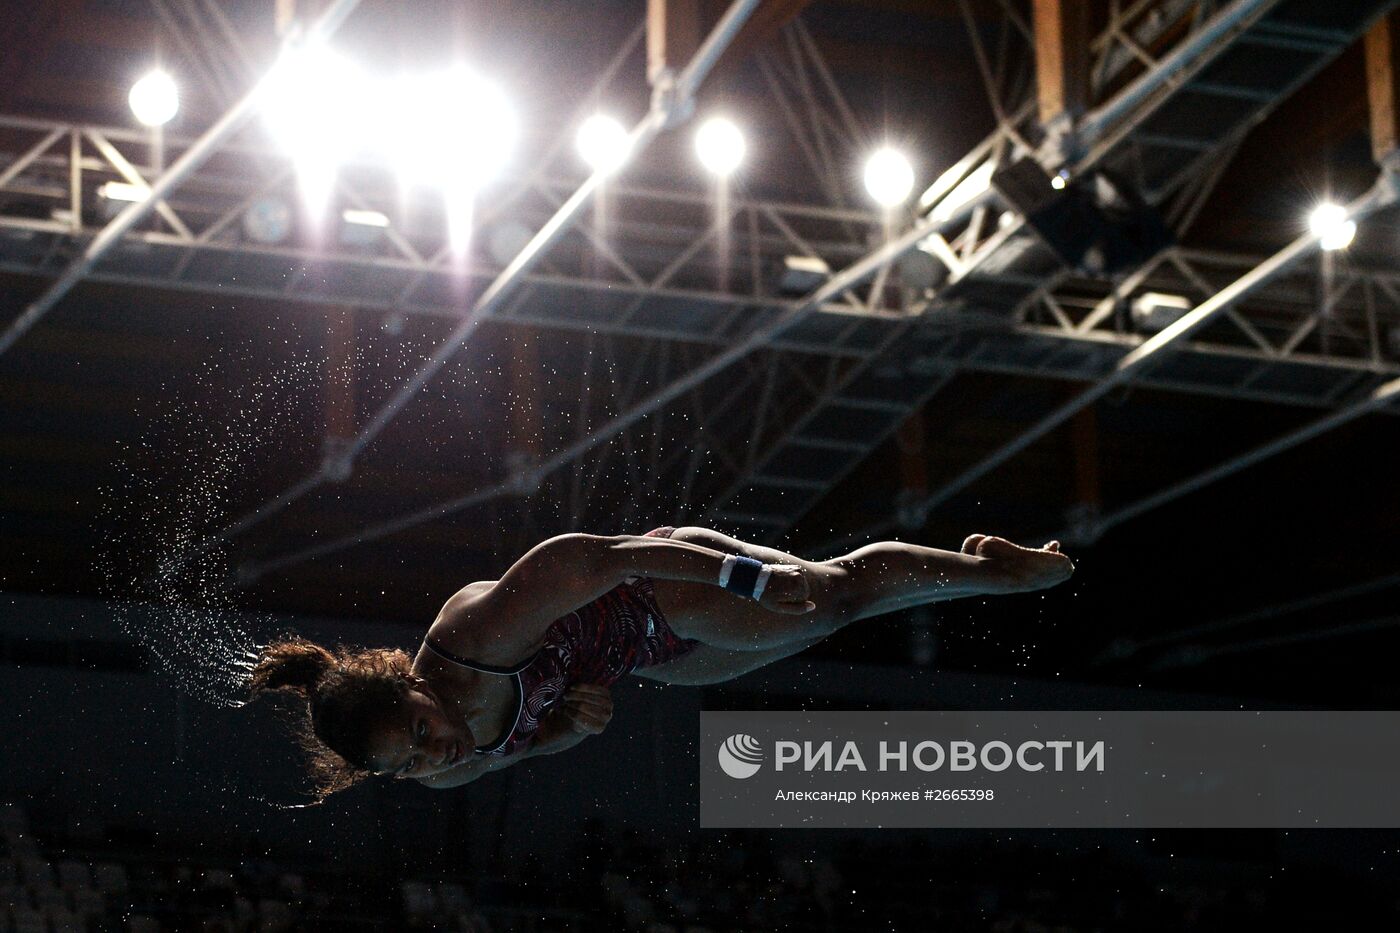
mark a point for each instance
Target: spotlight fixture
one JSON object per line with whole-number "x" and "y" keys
{"x": 1330, "y": 224}
{"x": 267, "y": 221}
{"x": 720, "y": 146}
{"x": 491, "y": 126}
{"x": 1155, "y": 311}
{"x": 465, "y": 151}
{"x": 802, "y": 274}
{"x": 889, "y": 177}
{"x": 154, "y": 99}
{"x": 314, "y": 101}
{"x": 1095, "y": 222}
{"x": 364, "y": 218}
{"x": 1059, "y": 180}
{"x": 362, "y": 227}
{"x": 123, "y": 191}
{"x": 603, "y": 143}
{"x": 314, "y": 113}
{"x": 920, "y": 269}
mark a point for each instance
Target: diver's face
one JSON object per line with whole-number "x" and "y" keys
{"x": 419, "y": 739}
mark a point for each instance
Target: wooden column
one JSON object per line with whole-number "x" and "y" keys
{"x": 1061, "y": 58}
{"x": 1382, "y": 87}
{"x": 673, "y": 35}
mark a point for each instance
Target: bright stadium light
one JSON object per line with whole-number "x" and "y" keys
{"x": 603, "y": 143}
{"x": 1156, "y": 311}
{"x": 1330, "y": 224}
{"x": 491, "y": 124}
{"x": 889, "y": 177}
{"x": 720, "y": 146}
{"x": 315, "y": 113}
{"x": 460, "y": 203}
{"x": 316, "y": 176}
{"x": 154, "y": 99}
{"x": 364, "y": 218}
{"x": 268, "y": 220}
{"x": 123, "y": 191}
{"x": 361, "y": 227}
{"x": 453, "y": 130}
{"x": 315, "y": 104}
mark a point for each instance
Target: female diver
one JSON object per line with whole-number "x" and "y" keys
{"x": 522, "y": 666}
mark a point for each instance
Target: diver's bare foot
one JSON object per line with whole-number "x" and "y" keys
{"x": 1011, "y": 568}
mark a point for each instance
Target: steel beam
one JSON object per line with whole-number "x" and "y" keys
{"x": 1192, "y": 655}
{"x": 203, "y": 148}
{"x": 1383, "y": 86}
{"x": 1113, "y": 118}
{"x": 1373, "y": 401}
{"x": 672, "y": 104}
{"x": 669, "y": 110}
{"x": 1381, "y": 194}
{"x": 764, "y": 336}
{"x": 1106, "y": 124}
{"x": 1375, "y": 284}
{"x": 1123, "y": 650}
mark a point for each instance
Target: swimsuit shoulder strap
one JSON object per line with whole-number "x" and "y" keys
{"x": 513, "y": 672}
{"x": 442, "y": 652}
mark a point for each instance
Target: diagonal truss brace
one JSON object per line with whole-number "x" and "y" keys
{"x": 1106, "y": 124}
{"x": 240, "y": 113}
{"x": 1381, "y": 194}
{"x": 672, "y": 104}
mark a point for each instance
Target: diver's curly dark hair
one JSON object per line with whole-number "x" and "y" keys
{"x": 347, "y": 690}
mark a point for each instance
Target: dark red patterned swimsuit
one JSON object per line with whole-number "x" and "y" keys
{"x": 600, "y": 643}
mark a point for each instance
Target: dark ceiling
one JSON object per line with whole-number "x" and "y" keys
{"x": 133, "y": 420}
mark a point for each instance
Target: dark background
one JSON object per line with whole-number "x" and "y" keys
{"x": 134, "y": 420}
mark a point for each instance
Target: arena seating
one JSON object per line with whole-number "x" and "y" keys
{"x": 620, "y": 881}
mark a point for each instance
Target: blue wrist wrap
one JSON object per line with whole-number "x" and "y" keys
{"x": 744, "y": 577}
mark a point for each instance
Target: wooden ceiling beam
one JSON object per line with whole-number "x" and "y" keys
{"x": 765, "y": 23}
{"x": 673, "y": 35}
{"x": 1383, "y": 86}
{"x": 1061, "y": 59}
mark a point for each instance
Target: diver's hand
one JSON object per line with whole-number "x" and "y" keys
{"x": 786, "y": 590}
{"x": 1010, "y": 568}
{"x": 585, "y": 710}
